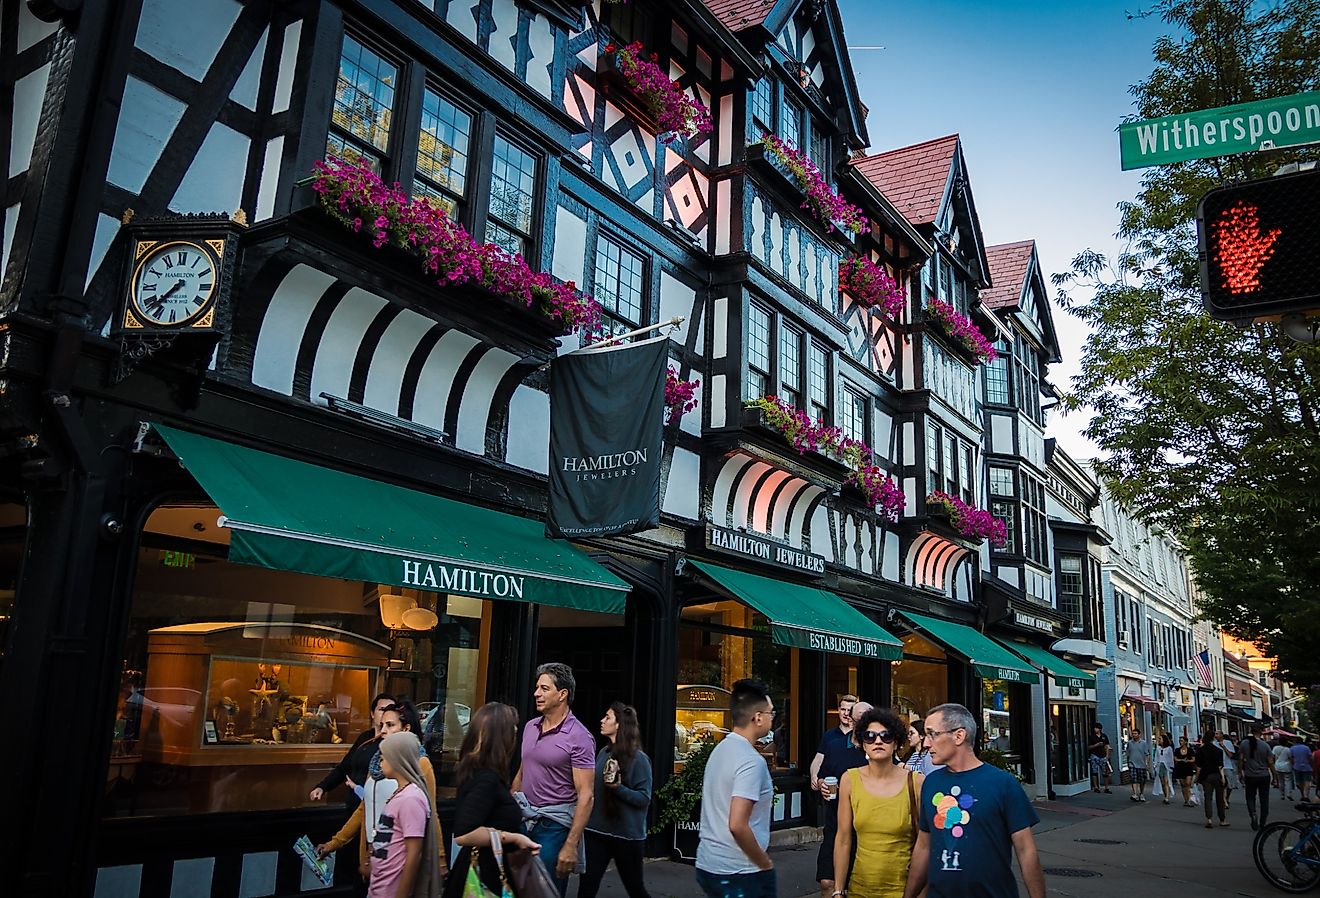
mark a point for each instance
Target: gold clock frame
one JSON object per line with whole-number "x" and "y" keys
{"x": 204, "y": 318}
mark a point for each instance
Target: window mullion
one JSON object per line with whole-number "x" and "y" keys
{"x": 483, "y": 142}
{"x": 408, "y": 126}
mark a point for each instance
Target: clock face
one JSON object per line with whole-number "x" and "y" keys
{"x": 174, "y": 283}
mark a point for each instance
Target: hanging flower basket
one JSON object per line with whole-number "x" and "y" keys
{"x": 821, "y": 200}
{"x": 680, "y": 395}
{"x": 961, "y": 330}
{"x": 969, "y": 521}
{"x": 807, "y": 435}
{"x": 870, "y": 286}
{"x": 355, "y": 196}
{"x": 672, "y": 111}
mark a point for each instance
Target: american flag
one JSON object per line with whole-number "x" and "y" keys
{"x": 1201, "y": 660}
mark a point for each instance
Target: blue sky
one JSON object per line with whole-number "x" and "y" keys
{"x": 1036, "y": 91}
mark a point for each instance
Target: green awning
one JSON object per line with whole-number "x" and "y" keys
{"x": 804, "y": 616}
{"x": 294, "y": 516}
{"x": 988, "y": 658}
{"x": 1064, "y": 673}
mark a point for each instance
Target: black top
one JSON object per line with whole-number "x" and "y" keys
{"x": 483, "y": 800}
{"x": 1099, "y": 745}
{"x": 352, "y": 766}
{"x": 1209, "y": 758}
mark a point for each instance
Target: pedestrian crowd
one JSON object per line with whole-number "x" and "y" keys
{"x": 909, "y": 809}
{"x": 1209, "y": 771}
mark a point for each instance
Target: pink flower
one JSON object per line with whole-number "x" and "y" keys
{"x": 804, "y": 434}
{"x": 971, "y": 522}
{"x": 677, "y": 114}
{"x": 870, "y": 285}
{"x": 960, "y": 327}
{"x": 828, "y": 206}
{"x": 350, "y": 192}
{"x": 680, "y": 395}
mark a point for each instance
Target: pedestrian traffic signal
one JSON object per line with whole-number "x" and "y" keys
{"x": 1260, "y": 248}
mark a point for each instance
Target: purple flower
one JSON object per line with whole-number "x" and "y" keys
{"x": 677, "y": 114}
{"x": 971, "y": 522}
{"x": 960, "y": 327}
{"x": 828, "y": 206}
{"x": 870, "y": 285}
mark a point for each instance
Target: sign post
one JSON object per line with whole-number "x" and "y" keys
{"x": 1244, "y": 128}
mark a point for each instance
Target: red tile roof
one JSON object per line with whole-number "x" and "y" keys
{"x": 1008, "y": 271}
{"x": 912, "y": 178}
{"x": 738, "y": 15}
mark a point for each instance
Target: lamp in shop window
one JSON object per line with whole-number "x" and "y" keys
{"x": 420, "y": 618}
{"x": 393, "y": 607}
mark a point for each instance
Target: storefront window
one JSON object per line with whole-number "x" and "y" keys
{"x": 1071, "y": 737}
{"x": 840, "y": 680}
{"x": 720, "y": 643}
{"x": 921, "y": 678}
{"x": 1006, "y": 724}
{"x": 242, "y": 686}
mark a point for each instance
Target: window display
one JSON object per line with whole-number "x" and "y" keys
{"x": 720, "y": 643}
{"x": 242, "y": 686}
{"x": 921, "y": 678}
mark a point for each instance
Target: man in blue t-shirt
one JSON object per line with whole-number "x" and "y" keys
{"x": 973, "y": 818}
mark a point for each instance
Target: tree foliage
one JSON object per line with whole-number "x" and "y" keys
{"x": 1210, "y": 430}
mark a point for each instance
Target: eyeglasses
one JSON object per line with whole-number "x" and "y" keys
{"x": 935, "y": 734}
{"x": 884, "y": 736}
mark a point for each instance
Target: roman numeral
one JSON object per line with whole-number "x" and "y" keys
{"x": 196, "y": 259}
{"x": 172, "y": 314}
{"x": 148, "y": 288}
{"x": 182, "y": 257}
{"x": 166, "y": 259}
{"x": 203, "y": 286}
{"x": 204, "y": 274}
{"x": 153, "y": 271}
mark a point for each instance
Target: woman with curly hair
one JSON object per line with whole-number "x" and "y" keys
{"x": 877, "y": 810}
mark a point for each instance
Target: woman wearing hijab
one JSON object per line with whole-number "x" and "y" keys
{"x": 405, "y": 855}
{"x": 377, "y": 788}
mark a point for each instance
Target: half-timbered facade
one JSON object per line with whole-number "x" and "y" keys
{"x": 194, "y": 525}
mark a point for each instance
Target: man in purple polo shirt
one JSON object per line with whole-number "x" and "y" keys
{"x": 558, "y": 773}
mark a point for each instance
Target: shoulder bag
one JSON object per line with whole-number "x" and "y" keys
{"x": 529, "y": 876}
{"x": 912, "y": 807}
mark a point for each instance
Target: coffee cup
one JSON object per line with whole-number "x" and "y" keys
{"x": 829, "y": 787}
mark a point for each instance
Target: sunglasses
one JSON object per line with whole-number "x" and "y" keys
{"x": 872, "y": 736}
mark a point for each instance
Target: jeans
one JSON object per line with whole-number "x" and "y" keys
{"x": 627, "y": 857}
{"x": 1258, "y": 787}
{"x": 1213, "y": 785}
{"x": 551, "y": 837}
{"x": 760, "y": 884}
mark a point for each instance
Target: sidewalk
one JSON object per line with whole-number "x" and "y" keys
{"x": 1091, "y": 845}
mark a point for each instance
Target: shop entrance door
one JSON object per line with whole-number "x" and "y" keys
{"x": 595, "y": 646}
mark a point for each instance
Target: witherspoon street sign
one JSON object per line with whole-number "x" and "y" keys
{"x": 1244, "y": 128}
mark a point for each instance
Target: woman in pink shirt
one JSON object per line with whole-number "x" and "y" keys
{"x": 405, "y": 860}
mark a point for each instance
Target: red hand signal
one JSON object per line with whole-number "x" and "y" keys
{"x": 1241, "y": 247}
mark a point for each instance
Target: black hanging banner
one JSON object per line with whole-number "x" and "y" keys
{"x": 607, "y": 409}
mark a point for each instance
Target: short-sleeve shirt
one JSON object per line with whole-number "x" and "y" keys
{"x": 971, "y": 817}
{"x": 403, "y": 817}
{"x": 1138, "y": 753}
{"x": 843, "y": 755}
{"x": 1103, "y": 750}
{"x": 832, "y": 737}
{"x": 735, "y": 769}
{"x": 549, "y": 758}
{"x": 1301, "y": 758}
{"x": 1282, "y": 759}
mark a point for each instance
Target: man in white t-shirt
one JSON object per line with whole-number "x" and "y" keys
{"x": 736, "y": 799}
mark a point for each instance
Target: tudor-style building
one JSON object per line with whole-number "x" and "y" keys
{"x": 221, "y": 541}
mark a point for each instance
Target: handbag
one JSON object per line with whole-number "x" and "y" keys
{"x": 529, "y": 876}
{"x": 473, "y": 887}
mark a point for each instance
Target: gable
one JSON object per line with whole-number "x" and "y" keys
{"x": 1018, "y": 290}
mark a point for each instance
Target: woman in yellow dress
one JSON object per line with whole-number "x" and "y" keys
{"x": 877, "y": 804}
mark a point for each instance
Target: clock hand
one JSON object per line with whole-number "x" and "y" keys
{"x": 170, "y": 292}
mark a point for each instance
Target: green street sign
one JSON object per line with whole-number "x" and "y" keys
{"x": 1244, "y": 128}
